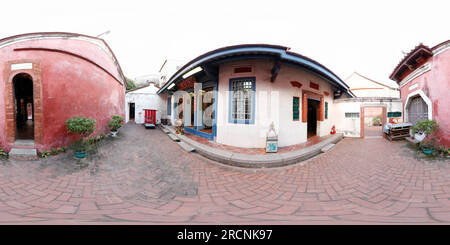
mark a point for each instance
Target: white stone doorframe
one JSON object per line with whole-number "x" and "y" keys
{"x": 424, "y": 97}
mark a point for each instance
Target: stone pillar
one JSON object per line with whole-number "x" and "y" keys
{"x": 198, "y": 100}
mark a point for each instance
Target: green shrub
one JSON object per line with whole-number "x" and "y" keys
{"x": 62, "y": 149}
{"x": 90, "y": 141}
{"x": 130, "y": 84}
{"x": 376, "y": 121}
{"x": 54, "y": 151}
{"x": 115, "y": 123}
{"x": 3, "y": 154}
{"x": 81, "y": 126}
{"x": 426, "y": 126}
{"x": 428, "y": 144}
{"x": 44, "y": 154}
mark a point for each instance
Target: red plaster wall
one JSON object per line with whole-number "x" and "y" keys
{"x": 436, "y": 85}
{"x": 71, "y": 86}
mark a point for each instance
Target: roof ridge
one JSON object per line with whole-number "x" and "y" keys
{"x": 380, "y": 83}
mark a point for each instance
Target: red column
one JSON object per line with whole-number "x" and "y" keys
{"x": 305, "y": 108}
{"x": 322, "y": 110}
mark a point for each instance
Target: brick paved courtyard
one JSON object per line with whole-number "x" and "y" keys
{"x": 143, "y": 177}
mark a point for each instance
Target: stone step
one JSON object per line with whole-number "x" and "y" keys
{"x": 24, "y": 144}
{"x": 165, "y": 130}
{"x": 23, "y": 154}
{"x": 173, "y": 137}
{"x": 327, "y": 147}
{"x": 186, "y": 147}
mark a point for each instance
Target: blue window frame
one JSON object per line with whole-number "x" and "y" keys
{"x": 241, "y": 106}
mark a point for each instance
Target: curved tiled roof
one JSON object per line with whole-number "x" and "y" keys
{"x": 419, "y": 50}
{"x": 244, "y": 50}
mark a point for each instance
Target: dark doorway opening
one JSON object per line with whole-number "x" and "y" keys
{"x": 313, "y": 106}
{"x": 132, "y": 111}
{"x": 24, "y": 106}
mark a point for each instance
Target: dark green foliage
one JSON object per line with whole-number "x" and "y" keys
{"x": 81, "y": 125}
{"x": 130, "y": 84}
{"x": 426, "y": 126}
{"x": 44, "y": 154}
{"x": 430, "y": 144}
{"x": 115, "y": 123}
{"x": 3, "y": 154}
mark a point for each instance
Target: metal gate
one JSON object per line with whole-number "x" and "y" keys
{"x": 418, "y": 110}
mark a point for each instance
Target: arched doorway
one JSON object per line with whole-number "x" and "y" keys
{"x": 24, "y": 106}
{"x": 417, "y": 110}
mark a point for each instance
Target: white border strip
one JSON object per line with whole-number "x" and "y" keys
{"x": 425, "y": 98}
{"x": 424, "y": 68}
{"x": 441, "y": 49}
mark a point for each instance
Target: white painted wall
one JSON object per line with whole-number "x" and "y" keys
{"x": 145, "y": 98}
{"x": 351, "y": 127}
{"x": 273, "y": 102}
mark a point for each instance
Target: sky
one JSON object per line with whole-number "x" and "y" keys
{"x": 369, "y": 37}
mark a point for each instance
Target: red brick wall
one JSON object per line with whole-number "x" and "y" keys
{"x": 65, "y": 86}
{"x": 435, "y": 84}
{"x": 35, "y": 73}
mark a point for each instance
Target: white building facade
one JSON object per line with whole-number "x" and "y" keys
{"x": 252, "y": 87}
{"x": 362, "y": 86}
{"x": 140, "y": 99}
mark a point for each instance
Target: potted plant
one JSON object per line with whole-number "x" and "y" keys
{"x": 427, "y": 147}
{"x": 83, "y": 127}
{"x": 424, "y": 128}
{"x": 114, "y": 124}
{"x": 79, "y": 148}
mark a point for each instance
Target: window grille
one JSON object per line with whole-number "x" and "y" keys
{"x": 242, "y": 99}
{"x": 352, "y": 114}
